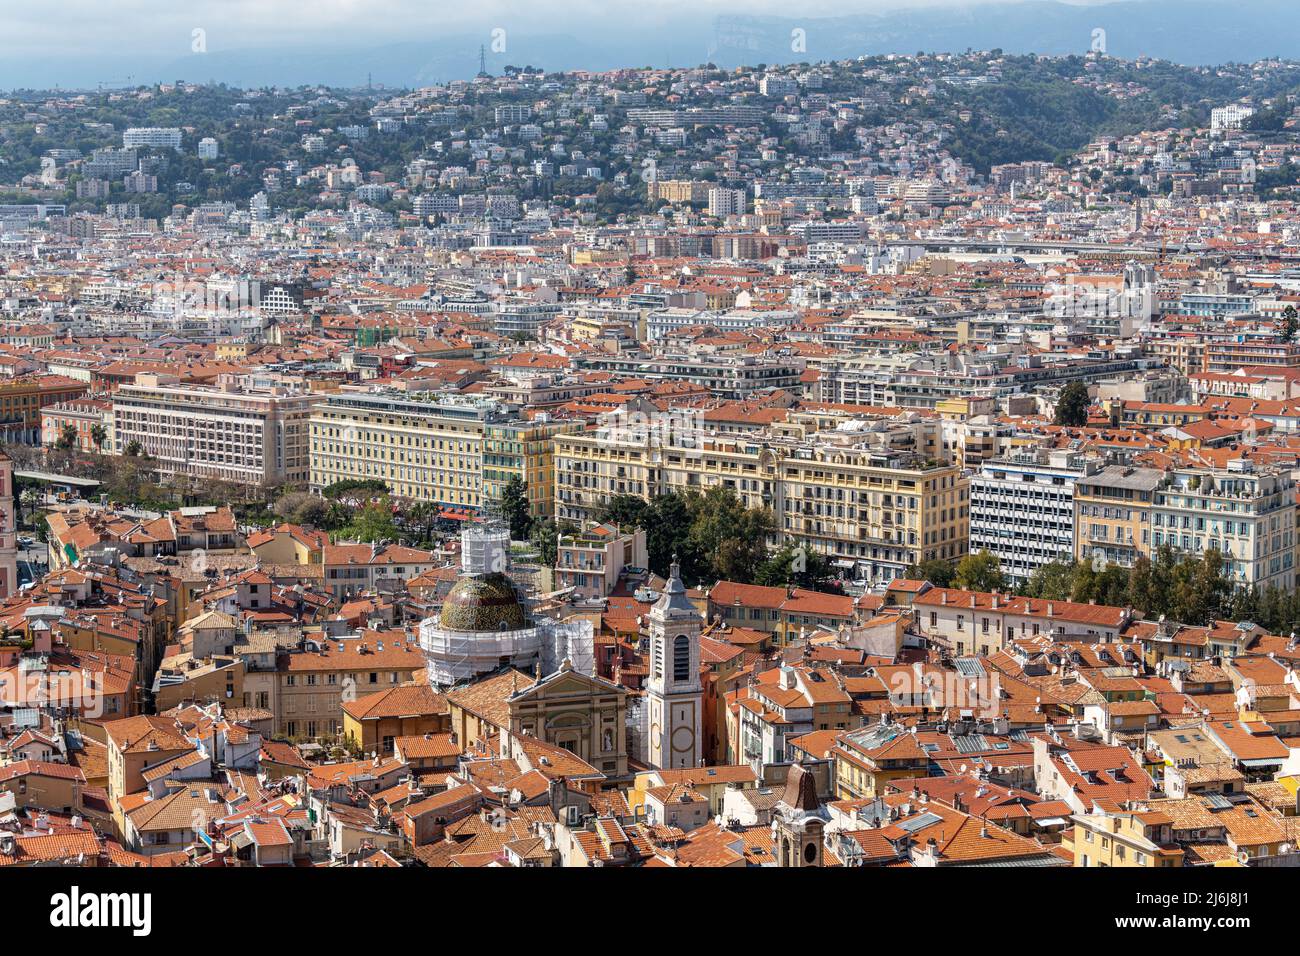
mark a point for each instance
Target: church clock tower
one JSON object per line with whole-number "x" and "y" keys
{"x": 673, "y": 691}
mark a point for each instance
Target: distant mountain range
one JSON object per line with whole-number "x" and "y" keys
{"x": 1185, "y": 31}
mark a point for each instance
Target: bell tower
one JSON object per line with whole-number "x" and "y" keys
{"x": 799, "y": 821}
{"x": 674, "y": 692}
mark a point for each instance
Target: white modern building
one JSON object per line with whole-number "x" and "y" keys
{"x": 663, "y": 321}
{"x": 726, "y": 202}
{"x": 1022, "y": 509}
{"x": 1247, "y": 515}
{"x": 158, "y": 137}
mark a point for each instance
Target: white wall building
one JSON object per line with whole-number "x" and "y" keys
{"x": 158, "y": 137}
{"x": 1022, "y": 510}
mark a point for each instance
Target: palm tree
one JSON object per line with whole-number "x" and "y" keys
{"x": 99, "y": 435}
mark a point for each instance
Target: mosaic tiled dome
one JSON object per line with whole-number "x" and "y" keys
{"x": 483, "y": 603}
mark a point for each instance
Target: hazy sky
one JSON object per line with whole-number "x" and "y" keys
{"x": 165, "y": 27}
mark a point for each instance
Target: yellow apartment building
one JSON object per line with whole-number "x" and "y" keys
{"x": 1138, "y": 839}
{"x": 1112, "y": 513}
{"x": 423, "y": 448}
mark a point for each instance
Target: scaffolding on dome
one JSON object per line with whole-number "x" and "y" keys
{"x": 456, "y": 654}
{"x": 454, "y": 657}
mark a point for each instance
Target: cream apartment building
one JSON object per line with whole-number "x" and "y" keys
{"x": 1247, "y": 514}
{"x": 872, "y": 511}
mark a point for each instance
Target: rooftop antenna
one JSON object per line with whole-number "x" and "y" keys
{"x": 482, "y": 60}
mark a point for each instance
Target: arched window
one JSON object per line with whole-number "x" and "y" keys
{"x": 681, "y": 658}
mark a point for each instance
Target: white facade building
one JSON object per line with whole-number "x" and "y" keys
{"x": 1230, "y": 116}
{"x": 726, "y": 202}
{"x": 153, "y": 136}
{"x": 1022, "y": 510}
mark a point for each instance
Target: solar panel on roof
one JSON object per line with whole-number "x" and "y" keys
{"x": 920, "y": 823}
{"x": 970, "y": 743}
{"x": 969, "y": 667}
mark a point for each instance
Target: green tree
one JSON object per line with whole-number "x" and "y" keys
{"x": 1072, "y": 405}
{"x": 1085, "y": 582}
{"x": 800, "y": 567}
{"x": 360, "y": 488}
{"x": 1290, "y": 324}
{"x": 99, "y": 435}
{"x": 1111, "y": 586}
{"x": 545, "y": 537}
{"x": 979, "y": 572}
{"x": 301, "y": 508}
{"x": 514, "y": 508}
{"x": 728, "y": 539}
{"x": 373, "y": 522}
{"x": 31, "y": 500}
{"x": 938, "y": 572}
{"x": 667, "y": 523}
{"x": 1053, "y": 581}
{"x": 1142, "y": 587}
{"x": 419, "y": 518}
{"x": 67, "y": 438}
{"x": 626, "y": 511}
{"x": 337, "y": 516}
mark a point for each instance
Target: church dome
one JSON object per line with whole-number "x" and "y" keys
{"x": 485, "y": 602}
